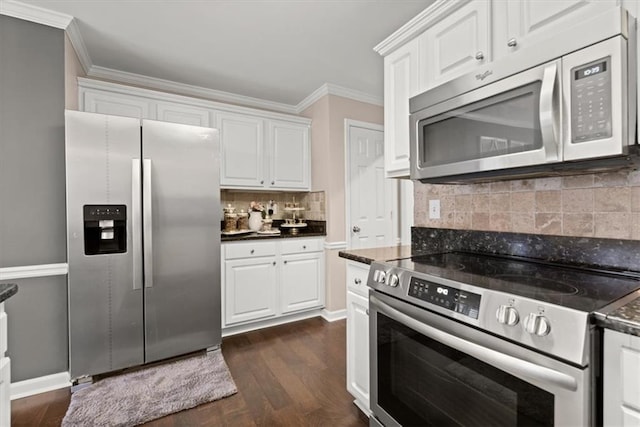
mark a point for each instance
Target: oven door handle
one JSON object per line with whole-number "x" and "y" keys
{"x": 519, "y": 367}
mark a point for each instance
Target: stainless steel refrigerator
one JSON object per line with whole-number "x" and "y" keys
{"x": 143, "y": 224}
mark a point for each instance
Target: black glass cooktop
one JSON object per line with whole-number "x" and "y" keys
{"x": 577, "y": 288}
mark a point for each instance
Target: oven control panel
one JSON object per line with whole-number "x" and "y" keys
{"x": 463, "y": 302}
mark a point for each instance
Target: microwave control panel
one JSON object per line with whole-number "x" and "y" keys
{"x": 591, "y": 101}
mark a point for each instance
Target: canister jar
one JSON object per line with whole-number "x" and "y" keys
{"x": 230, "y": 221}
{"x": 243, "y": 220}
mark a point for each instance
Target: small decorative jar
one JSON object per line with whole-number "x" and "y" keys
{"x": 243, "y": 220}
{"x": 230, "y": 220}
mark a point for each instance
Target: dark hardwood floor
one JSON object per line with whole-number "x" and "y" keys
{"x": 288, "y": 375}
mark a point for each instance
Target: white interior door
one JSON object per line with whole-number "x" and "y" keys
{"x": 371, "y": 197}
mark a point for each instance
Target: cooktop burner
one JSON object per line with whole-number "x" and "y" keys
{"x": 571, "y": 287}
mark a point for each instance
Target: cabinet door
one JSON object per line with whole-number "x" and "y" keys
{"x": 117, "y": 104}
{"x": 400, "y": 84}
{"x": 358, "y": 348}
{"x": 302, "y": 282}
{"x": 531, "y": 21}
{"x": 250, "y": 289}
{"x": 241, "y": 151}
{"x": 290, "y": 158}
{"x": 621, "y": 379}
{"x": 455, "y": 45}
{"x": 183, "y": 114}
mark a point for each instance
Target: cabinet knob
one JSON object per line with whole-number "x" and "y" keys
{"x": 366, "y": 311}
{"x": 262, "y": 182}
{"x": 285, "y": 261}
{"x": 304, "y": 246}
{"x": 512, "y": 42}
{"x": 356, "y": 229}
{"x": 274, "y": 263}
{"x": 479, "y": 56}
{"x": 273, "y": 183}
{"x": 357, "y": 281}
{"x": 252, "y": 251}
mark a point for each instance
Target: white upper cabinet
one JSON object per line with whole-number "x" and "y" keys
{"x": 184, "y": 114}
{"x": 531, "y": 21}
{"x": 259, "y": 150}
{"x": 455, "y": 45}
{"x": 290, "y": 159}
{"x": 242, "y": 157}
{"x": 117, "y": 104}
{"x": 251, "y": 159}
{"x": 400, "y": 84}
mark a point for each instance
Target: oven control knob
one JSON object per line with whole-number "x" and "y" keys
{"x": 392, "y": 280}
{"x": 537, "y": 324}
{"x": 507, "y": 315}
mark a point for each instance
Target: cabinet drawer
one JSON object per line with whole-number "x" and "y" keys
{"x": 294, "y": 246}
{"x": 357, "y": 274}
{"x": 250, "y": 250}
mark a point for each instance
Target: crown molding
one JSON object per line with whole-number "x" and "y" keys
{"x": 186, "y": 89}
{"x": 331, "y": 89}
{"x": 73, "y": 31}
{"x": 418, "y": 24}
{"x": 35, "y": 14}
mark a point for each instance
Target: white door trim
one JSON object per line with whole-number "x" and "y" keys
{"x": 348, "y": 124}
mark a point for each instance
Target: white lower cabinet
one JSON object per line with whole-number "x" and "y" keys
{"x": 300, "y": 282}
{"x": 621, "y": 379}
{"x": 264, "y": 280}
{"x": 358, "y": 334}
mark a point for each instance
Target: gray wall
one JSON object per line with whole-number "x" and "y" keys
{"x": 32, "y": 192}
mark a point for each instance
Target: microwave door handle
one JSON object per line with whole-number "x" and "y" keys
{"x": 503, "y": 361}
{"x": 549, "y": 112}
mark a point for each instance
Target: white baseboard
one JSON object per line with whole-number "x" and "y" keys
{"x": 332, "y": 316}
{"x": 40, "y": 385}
{"x": 234, "y": 330}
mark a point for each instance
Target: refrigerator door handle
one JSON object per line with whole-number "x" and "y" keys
{"x": 148, "y": 224}
{"x": 136, "y": 222}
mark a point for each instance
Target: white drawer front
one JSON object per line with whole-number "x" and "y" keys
{"x": 357, "y": 274}
{"x": 298, "y": 245}
{"x": 250, "y": 249}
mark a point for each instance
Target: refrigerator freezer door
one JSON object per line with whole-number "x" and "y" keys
{"x": 105, "y": 295}
{"x": 182, "y": 299}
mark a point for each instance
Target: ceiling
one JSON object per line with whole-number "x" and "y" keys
{"x": 275, "y": 50}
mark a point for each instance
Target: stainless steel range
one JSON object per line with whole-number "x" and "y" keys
{"x": 471, "y": 339}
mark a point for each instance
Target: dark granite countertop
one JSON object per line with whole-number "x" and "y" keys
{"x": 313, "y": 229}
{"x": 367, "y": 256}
{"x": 256, "y": 236}
{"x": 7, "y": 290}
{"x": 622, "y": 317}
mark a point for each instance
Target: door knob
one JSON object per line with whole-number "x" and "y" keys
{"x": 356, "y": 229}
{"x": 479, "y": 56}
{"x": 512, "y": 42}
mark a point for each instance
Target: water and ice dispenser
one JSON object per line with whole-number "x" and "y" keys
{"x": 105, "y": 229}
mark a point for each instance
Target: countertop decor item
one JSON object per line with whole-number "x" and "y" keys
{"x": 137, "y": 397}
{"x": 255, "y": 220}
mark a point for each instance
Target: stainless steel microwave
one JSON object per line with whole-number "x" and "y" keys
{"x": 552, "y": 108}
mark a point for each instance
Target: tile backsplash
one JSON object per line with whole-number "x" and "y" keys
{"x": 313, "y": 202}
{"x": 605, "y": 205}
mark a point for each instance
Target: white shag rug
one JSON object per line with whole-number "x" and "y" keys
{"x": 137, "y": 397}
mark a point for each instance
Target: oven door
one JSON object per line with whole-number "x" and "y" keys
{"x": 429, "y": 370}
{"x": 511, "y": 123}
